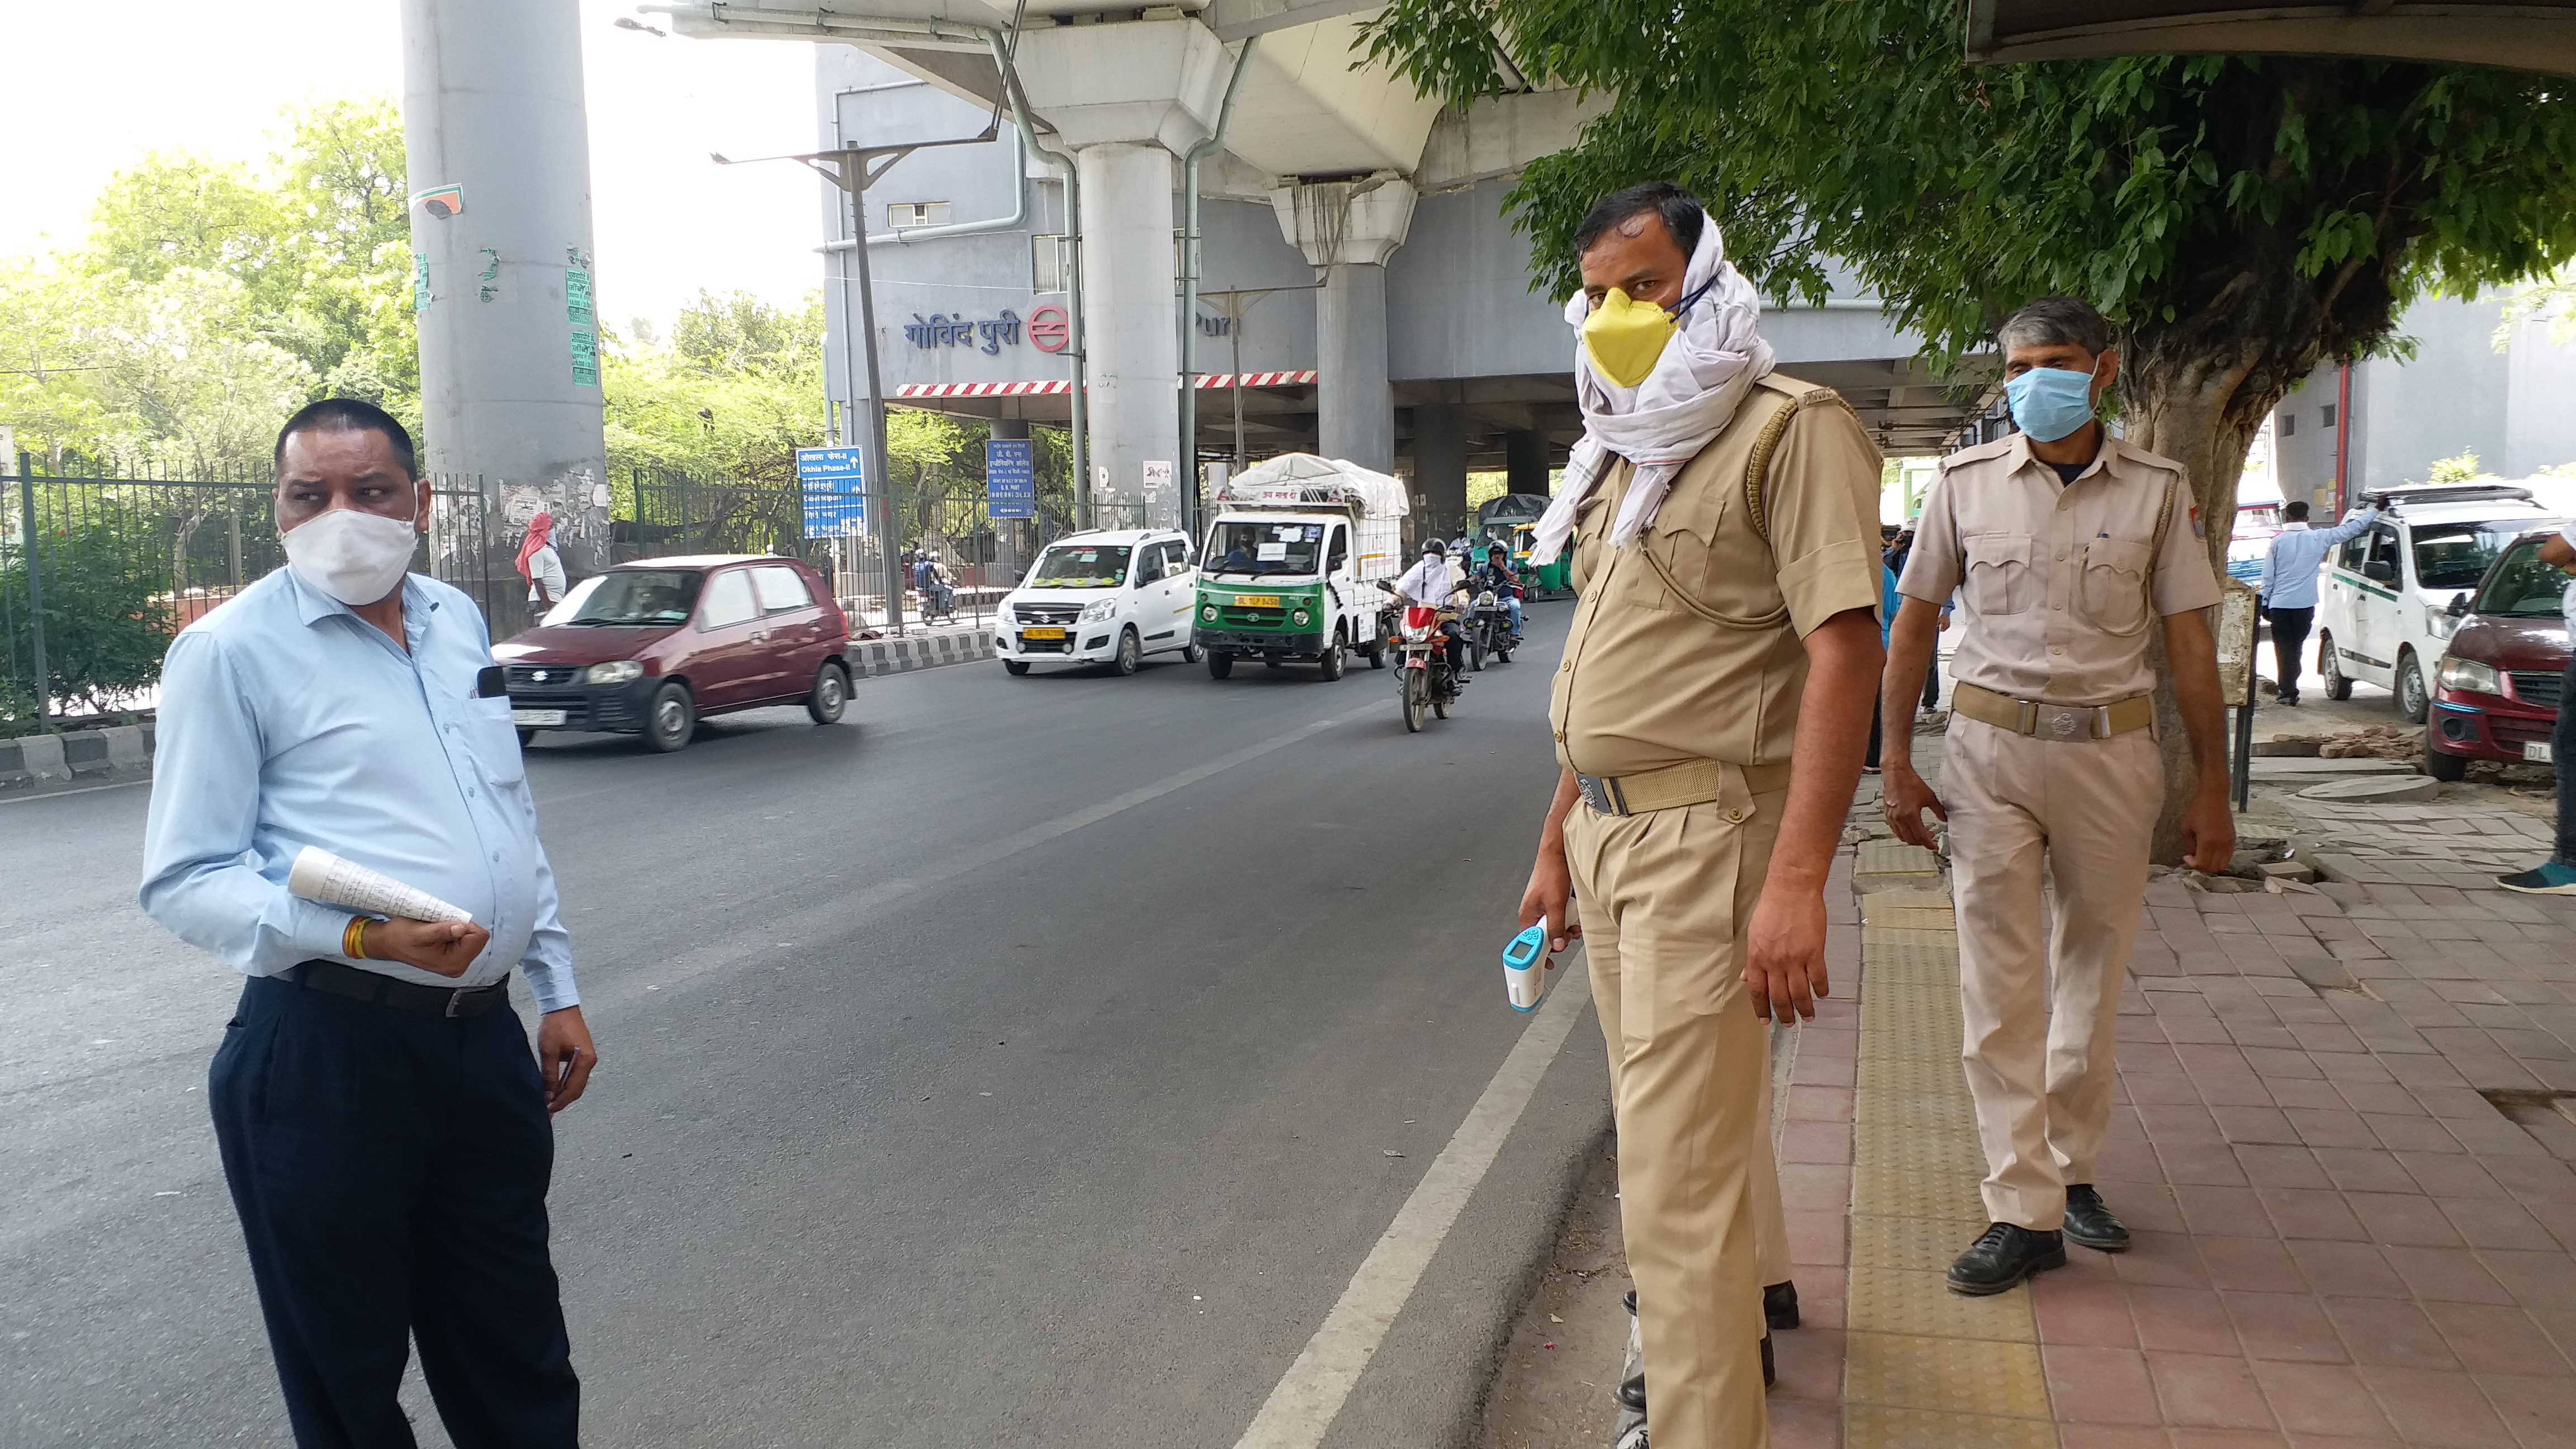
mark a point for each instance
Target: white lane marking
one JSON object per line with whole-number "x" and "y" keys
{"x": 1311, "y": 1393}
{"x": 818, "y": 921}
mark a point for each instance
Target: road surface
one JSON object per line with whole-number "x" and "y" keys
{"x": 1022, "y": 1061}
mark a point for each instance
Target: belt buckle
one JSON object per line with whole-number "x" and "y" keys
{"x": 456, "y": 998}
{"x": 2066, "y": 721}
{"x": 1597, "y": 793}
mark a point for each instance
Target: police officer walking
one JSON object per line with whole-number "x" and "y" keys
{"x": 2067, "y": 546}
{"x": 1724, "y": 524}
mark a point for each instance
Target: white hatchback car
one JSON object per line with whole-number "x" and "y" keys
{"x": 1102, "y": 597}
{"x": 2383, "y": 606}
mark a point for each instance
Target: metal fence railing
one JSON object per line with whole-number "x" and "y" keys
{"x": 100, "y": 568}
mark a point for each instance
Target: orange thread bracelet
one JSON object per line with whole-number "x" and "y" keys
{"x": 353, "y": 938}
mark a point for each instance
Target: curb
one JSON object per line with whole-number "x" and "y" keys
{"x": 874, "y": 658}
{"x": 45, "y": 764}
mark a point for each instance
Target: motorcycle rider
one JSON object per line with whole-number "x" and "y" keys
{"x": 1430, "y": 585}
{"x": 1499, "y": 576}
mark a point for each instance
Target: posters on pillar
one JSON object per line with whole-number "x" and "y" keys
{"x": 1158, "y": 481}
{"x": 585, "y": 324}
{"x": 834, "y": 482}
{"x": 420, "y": 281}
{"x": 1010, "y": 478}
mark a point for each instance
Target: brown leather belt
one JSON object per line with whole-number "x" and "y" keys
{"x": 1692, "y": 782}
{"x": 2044, "y": 721}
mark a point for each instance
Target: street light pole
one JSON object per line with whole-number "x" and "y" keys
{"x": 853, "y": 168}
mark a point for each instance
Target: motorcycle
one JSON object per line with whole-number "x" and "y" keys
{"x": 1489, "y": 631}
{"x": 1425, "y": 674}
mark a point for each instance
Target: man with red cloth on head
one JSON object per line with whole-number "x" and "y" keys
{"x": 540, "y": 565}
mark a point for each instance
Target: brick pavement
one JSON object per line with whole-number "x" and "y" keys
{"x": 2343, "y": 1138}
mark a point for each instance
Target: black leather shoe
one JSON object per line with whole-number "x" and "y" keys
{"x": 2002, "y": 1257}
{"x": 1632, "y": 1395}
{"x": 2090, "y": 1224}
{"x": 1780, "y": 1305}
{"x": 1770, "y": 1370}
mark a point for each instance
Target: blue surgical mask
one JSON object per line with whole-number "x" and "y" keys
{"x": 2050, "y": 402}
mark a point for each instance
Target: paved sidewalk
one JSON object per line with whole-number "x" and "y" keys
{"x": 2343, "y": 1137}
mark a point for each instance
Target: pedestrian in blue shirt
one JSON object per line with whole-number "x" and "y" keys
{"x": 383, "y": 1125}
{"x": 2290, "y": 584}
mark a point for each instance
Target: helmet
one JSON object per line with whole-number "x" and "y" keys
{"x": 1435, "y": 546}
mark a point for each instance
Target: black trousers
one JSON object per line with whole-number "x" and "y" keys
{"x": 390, "y": 1168}
{"x": 2289, "y": 640}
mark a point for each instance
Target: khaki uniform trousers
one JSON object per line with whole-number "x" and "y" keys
{"x": 1664, "y": 899}
{"x": 2037, "y": 1018}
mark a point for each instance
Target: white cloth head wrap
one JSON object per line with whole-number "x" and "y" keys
{"x": 1661, "y": 424}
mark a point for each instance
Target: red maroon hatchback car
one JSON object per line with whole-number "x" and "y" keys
{"x": 2495, "y": 693}
{"x": 653, "y": 646}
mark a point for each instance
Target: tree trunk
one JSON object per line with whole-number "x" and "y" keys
{"x": 2199, "y": 406}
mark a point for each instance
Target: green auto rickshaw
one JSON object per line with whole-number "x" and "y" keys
{"x": 1544, "y": 582}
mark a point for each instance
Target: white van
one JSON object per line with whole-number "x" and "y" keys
{"x": 2383, "y": 607}
{"x": 1102, "y": 597}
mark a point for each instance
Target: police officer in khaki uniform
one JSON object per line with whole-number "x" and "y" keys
{"x": 2067, "y": 546}
{"x": 1725, "y": 538}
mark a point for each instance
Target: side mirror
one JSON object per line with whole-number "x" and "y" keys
{"x": 2459, "y": 605}
{"x": 2379, "y": 571}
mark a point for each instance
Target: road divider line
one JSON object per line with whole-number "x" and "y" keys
{"x": 843, "y": 910}
{"x": 1311, "y": 1394}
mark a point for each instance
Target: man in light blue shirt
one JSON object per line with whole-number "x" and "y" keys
{"x": 384, "y": 1128}
{"x": 2290, "y": 584}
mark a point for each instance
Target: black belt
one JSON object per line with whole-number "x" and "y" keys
{"x": 336, "y": 979}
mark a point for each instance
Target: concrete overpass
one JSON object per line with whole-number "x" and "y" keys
{"x": 1395, "y": 296}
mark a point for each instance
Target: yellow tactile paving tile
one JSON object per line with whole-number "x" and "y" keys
{"x": 1923, "y": 1367}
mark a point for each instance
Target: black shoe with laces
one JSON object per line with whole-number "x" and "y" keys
{"x": 1780, "y": 1305}
{"x": 2090, "y": 1224}
{"x": 2002, "y": 1256}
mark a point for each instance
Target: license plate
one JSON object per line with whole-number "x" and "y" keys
{"x": 2537, "y": 750}
{"x": 1041, "y": 633}
{"x": 536, "y": 716}
{"x": 1256, "y": 601}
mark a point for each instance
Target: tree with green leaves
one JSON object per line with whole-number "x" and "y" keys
{"x": 2244, "y": 220}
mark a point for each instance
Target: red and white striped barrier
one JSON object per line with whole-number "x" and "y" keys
{"x": 1058, "y": 387}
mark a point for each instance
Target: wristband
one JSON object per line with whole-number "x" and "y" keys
{"x": 353, "y": 938}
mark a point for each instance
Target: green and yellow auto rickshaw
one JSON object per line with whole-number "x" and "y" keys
{"x": 1540, "y": 583}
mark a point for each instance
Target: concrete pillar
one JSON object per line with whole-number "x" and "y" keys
{"x": 1525, "y": 462}
{"x": 1132, "y": 324}
{"x": 1347, "y": 230}
{"x": 1128, "y": 98}
{"x": 1440, "y": 463}
{"x": 1355, "y": 407}
{"x": 509, "y": 371}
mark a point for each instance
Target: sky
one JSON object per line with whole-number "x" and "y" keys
{"x": 91, "y": 88}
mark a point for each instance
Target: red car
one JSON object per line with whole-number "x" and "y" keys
{"x": 2495, "y": 693}
{"x": 653, "y": 646}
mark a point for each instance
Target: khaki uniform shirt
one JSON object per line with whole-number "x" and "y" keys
{"x": 1647, "y": 681}
{"x": 2054, "y": 579}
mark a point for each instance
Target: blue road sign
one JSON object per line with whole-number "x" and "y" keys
{"x": 1010, "y": 478}
{"x": 834, "y": 481}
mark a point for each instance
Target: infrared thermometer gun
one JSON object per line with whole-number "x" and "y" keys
{"x": 1528, "y": 971}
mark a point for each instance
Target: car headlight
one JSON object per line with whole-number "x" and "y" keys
{"x": 1298, "y": 618}
{"x": 1106, "y": 608}
{"x": 1208, "y": 613}
{"x": 617, "y": 673}
{"x": 2468, "y": 675}
{"x": 2440, "y": 623}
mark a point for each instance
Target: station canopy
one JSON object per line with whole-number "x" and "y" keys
{"x": 2514, "y": 34}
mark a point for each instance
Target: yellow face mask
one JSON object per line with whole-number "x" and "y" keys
{"x": 1624, "y": 337}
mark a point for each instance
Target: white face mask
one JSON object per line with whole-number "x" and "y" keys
{"x": 357, "y": 558}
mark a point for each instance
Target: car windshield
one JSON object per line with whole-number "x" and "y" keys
{"x": 1264, "y": 548}
{"x": 633, "y": 597}
{"x": 1081, "y": 566}
{"x": 2456, "y": 555}
{"x": 568, "y": 607}
{"x": 2521, "y": 587}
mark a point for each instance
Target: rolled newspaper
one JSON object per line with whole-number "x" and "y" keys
{"x": 318, "y": 875}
